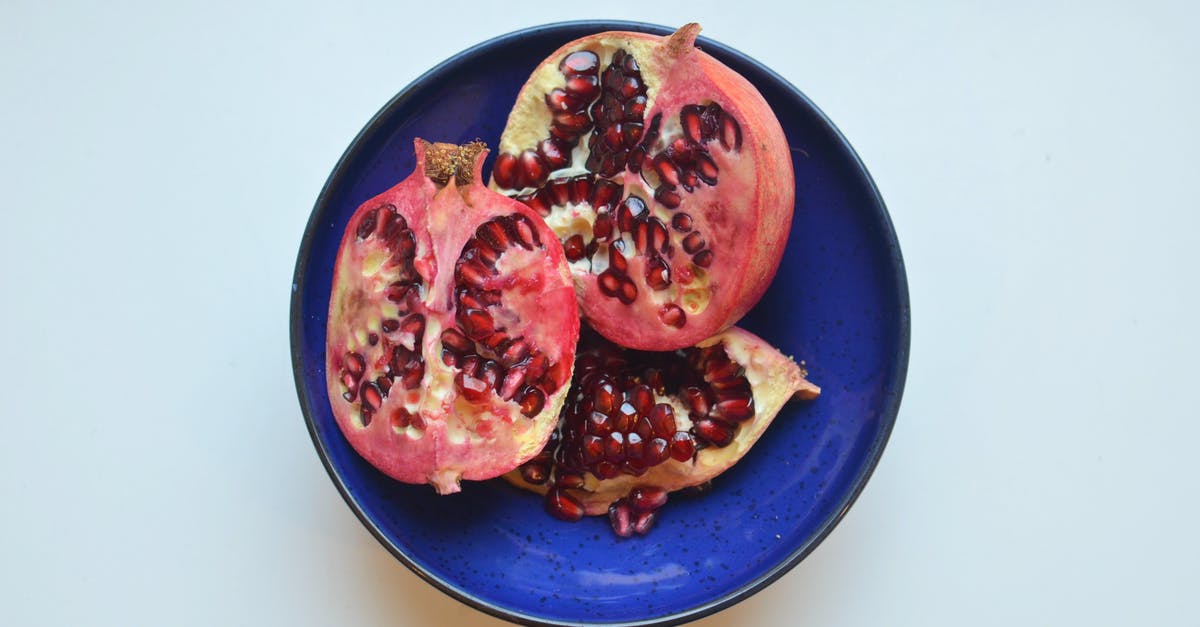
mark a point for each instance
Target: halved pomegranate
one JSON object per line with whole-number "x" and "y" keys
{"x": 665, "y": 175}
{"x": 638, "y": 425}
{"x": 452, "y": 326}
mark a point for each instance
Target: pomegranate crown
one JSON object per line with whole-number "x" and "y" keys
{"x": 450, "y": 161}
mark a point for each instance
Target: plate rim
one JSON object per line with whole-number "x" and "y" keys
{"x": 888, "y": 411}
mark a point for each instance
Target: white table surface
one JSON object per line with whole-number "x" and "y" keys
{"x": 158, "y": 162}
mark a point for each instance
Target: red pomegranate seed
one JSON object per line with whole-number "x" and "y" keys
{"x": 572, "y": 480}
{"x": 697, "y": 400}
{"x": 644, "y": 522}
{"x": 535, "y": 473}
{"x": 563, "y": 506}
{"x": 609, "y": 282}
{"x": 471, "y": 273}
{"x": 581, "y": 188}
{"x": 641, "y": 237}
{"x": 454, "y": 340}
{"x": 703, "y": 258}
{"x": 575, "y": 123}
{"x": 389, "y": 325}
{"x": 667, "y": 171}
{"x": 693, "y": 243}
{"x": 515, "y": 353}
{"x": 647, "y": 498}
{"x": 366, "y": 414}
{"x": 599, "y": 424}
{"x": 414, "y": 324}
{"x": 668, "y": 196}
{"x": 574, "y": 248}
{"x": 371, "y": 396}
{"x": 620, "y": 516}
{"x": 605, "y": 398}
{"x": 737, "y": 410}
{"x": 411, "y": 376}
{"x": 400, "y": 418}
{"x": 522, "y": 230}
{"x": 672, "y": 316}
{"x": 559, "y": 192}
{"x": 477, "y": 323}
{"x": 531, "y": 400}
{"x": 606, "y": 470}
{"x": 714, "y": 432}
{"x": 616, "y": 261}
{"x": 536, "y": 202}
{"x": 450, "y": 358}
{"x": 602, "y": 228}
{"x": 355, "y": 364}
{"x": 689, "y": 119}
{"x": 397, "y": 292}
{"x": 642, "y": 398}
{"x": 635, "y": 447}
{"x": 662, "y": 419}
{"x": 656, "y": 452}
{"x": 628, "y": 292}
{"x": 505, "y": 171}
{"x": 605, "y": 193}
{"x": 614, "y": 447}
{"x": 513, "y": 380}
{"x": 658, "y": 273}
{"x": 626, "y": 418}
{"x": 532, "y": 168}
{"x": 367, "y": 227}
{"x": 473, "y": 388}
{"x": 583, "y": 87}
{"x": 731, "y": 133}
{"x": 559, "y": 100}
{"x": 580, "y": 62}
{"x": 631, "y": 134}
{"x": 681, "y": 222}
{"x": 644, "y": 429}
{"x": 350, "y": 382}
{"x": 706, "y": 169}
{"x": 493, "y": 234}
{"x": 682, "y": 446}
{"x": 592, "y": 448}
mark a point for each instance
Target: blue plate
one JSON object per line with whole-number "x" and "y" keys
{"x": 840, "y": 302}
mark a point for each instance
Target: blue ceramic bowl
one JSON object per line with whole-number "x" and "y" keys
{"x": 840, "y": 302}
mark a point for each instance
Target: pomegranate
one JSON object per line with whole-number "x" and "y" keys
{"x": 452, "y": 326}
{"x": 665, "y": 175}
{"x": 638, "y": 425}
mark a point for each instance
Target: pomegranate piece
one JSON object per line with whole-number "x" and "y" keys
{"x": 638, "y": 425}
{"x": 452, "y": 327}
{"x": 665, "y": 174}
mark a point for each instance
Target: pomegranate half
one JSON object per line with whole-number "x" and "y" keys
{"x": 665, "y": 175}
{"x": 638, "y": 425}
{"x": 452, "y": 326}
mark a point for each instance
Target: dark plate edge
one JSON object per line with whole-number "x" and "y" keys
{"x": 887, "y": 414}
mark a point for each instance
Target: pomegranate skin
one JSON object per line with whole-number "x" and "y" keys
{"x": 744, "y": 215}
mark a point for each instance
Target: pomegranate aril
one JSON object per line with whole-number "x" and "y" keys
{"x": 365, "y": 415}
{"x": 560, "y": 100}
{"x": 454, "y": 340}
{"x": 644, "y": 522}
{"x": 534, "y": 473}
{"x": 355, "y": 364}
{"x": 602, "y": 228}
{"x": 522, "y": 230}
{"x": 668, "y": 196}
{"x": 681, "y": 222}
{"x": 599, "y": 424}
{"x": 513, "y": 380}
{"x": 569, "y": 480}
{"x": 614, "y": 447}
{"x": 616, "y": 261}
{"x": 658, "y": 274}
{"x": 532, "y": 168}
{"x": 472, "y": 387}
{"x": 647, "y": 498}
{"x": 414, "y": 324}
{"x": 580, "y": 62}
{"x": 631, "y": 133}
{"x": 531, "y": 400}
{"x": 736, "y": 409}
{"x": 703, "y": 258}
{"x": 563, "y": 506}
{"x": 731, "y": 133}
{"x": 662, "y": 419}
{"x": 672, "y": 315}
{"x": 626, "y": 417}
{"x": 351, "y": 383}
{"x": 642, "y": 398}
{"x": 667, "y": 171}
{"x": 471, "y": 273}
{"x": 583, "y": 86}
{"x": 706, "y": 169}
{"x": 620, "y": 516}
{"x": 477, "y": 323}
{"x": 574, "y": 247}
{"x": 656, "y": 452}
{"x": 689, "y": 119}
{"x": 697, "y": 400}
{"x": 682, "y": 446}
{"x": 400, "y": 418}
{"x": 693, "y": 243}
{"x": 493, "y": 235}
{"x": 628, "y": 292}
{"x": 605, "y": 193}
{"x": 635, "y": 108}
{"x": 606, "y": 470}
{"x": 371, "y": 396}
{"x": 715, "y": 432}
{"x": 609, "y": 282}
{"x": 367, "y": 227}
{"x": 635, "y": 446}
{"x": 658, "y": 235}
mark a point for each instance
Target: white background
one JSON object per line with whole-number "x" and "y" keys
{"x": 158, "y": 164}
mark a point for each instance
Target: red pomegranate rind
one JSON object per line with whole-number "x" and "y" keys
{"x": 672, "y": 129}
{"x": 418, "y": 407}
{"x": 725, "y": 371}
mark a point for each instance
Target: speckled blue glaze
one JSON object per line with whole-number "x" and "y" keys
{"x": 840, "y": 303}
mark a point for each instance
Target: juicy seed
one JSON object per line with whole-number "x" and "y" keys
{"x": 531, "y": 400}
{"x": 703, "y": 258}
{"x": 647, "y": 498}
{"x": 371, "y": 396}
{"x": 580, "y": 62}
{"x": 452, "y": 339}
{"x": 477, "y": 323}
{"x": 355, "y": 364}
{"x": 536, "y": 474}
{"x": 668, "y": 196}
{"x": 628, "y": 292}
{"x": 693, "y": 243}
{"x": 644, "y": 522}
{"x": 554, "y": 155}
{"x": 367, "y": 227}
{"x": 672, "y": 315}
{"x": 662, "y": 420}
{"x": 574, "y": 247}
{"x": 533, "y": 171}
{"x": 563, "y": 506}
{"x": 658, "y": 274}
{"x": 731, "y": 133}
{"x": 714, "y": 432}
{"x": 620, "y": 516}
{"x": 505, "y": 171}
{"x": 682, "y": 446}
{"x": 681, "y": 222}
